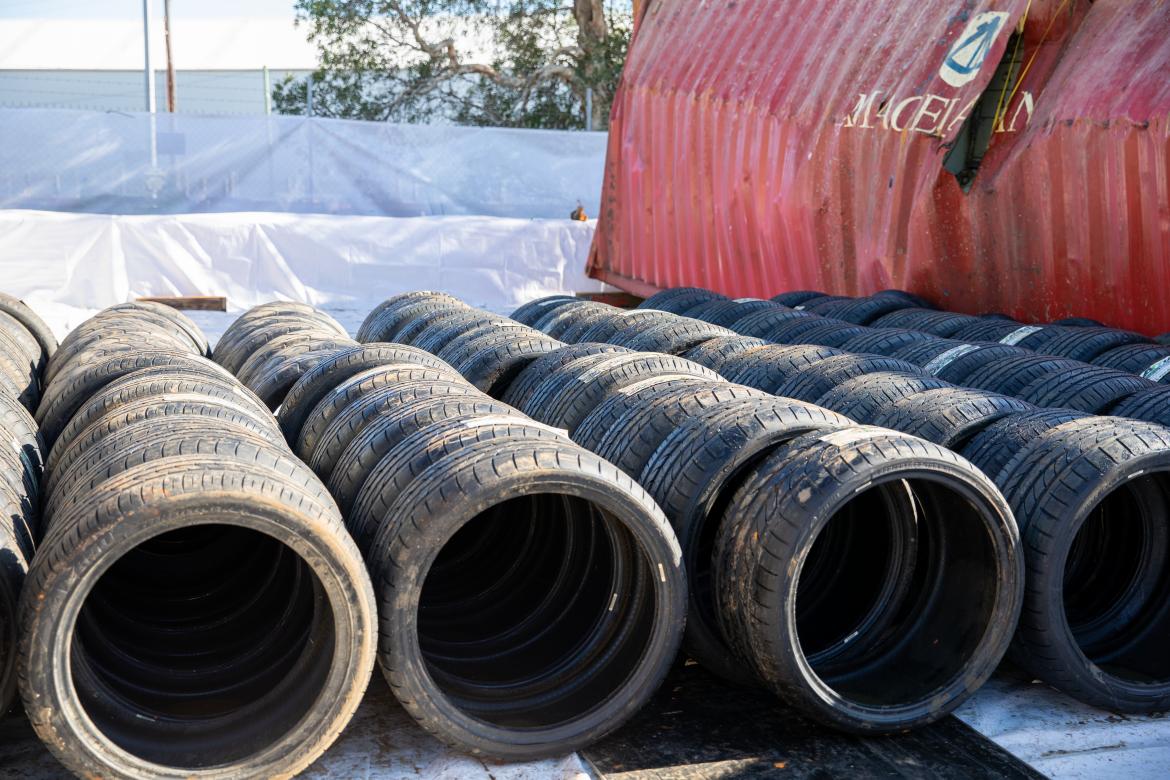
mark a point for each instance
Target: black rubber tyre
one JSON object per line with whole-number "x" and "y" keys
{"x": 383, "y": 319}
{"x": 362, "y": 384}
{"x": 96, "y": 340}
{"x": 1091, "y": 498}
{"x": 1079, "y": 322}
{"x": 1010, "y": 375}
{"x": 312, "y": 684}
{"x": 835, "y": 566}
{"x": 949, "y": 416}
{"x": 76, "y": 385}
{"x": 915, "y": 300}
{"x": 464, "y": 346}
{"x": 793, "y": 331}
{"x": 21, "y": 371}
{"x": 583, "y": 321}
{"x": 998, "y": 443}
{"x": 863, "y": 398}
{"x": 386, "y": 431}
{"x": 831, "y": 333}
{"x": 1149, "y": 361}
{"x": 1163, "y": 339}
{"x": 556, "y": 322}
{"x": 727, "y": 313}
{"x": 988, "y": 330}
{"x": 248, "y": 342}
{"x": 16, "y": 550}
{"x": 863, "y": 311}
{"x": 829, "y": 303}
{"x": 770, "y": 366}
{"x": 281, "y": 348}
{"x": 923, "y": 352}
{"x": 601, "y": 420}
{"x": 1092, "y": 389}
{"x": 714, "y": 352}
{"x": 403, "y": 325}
{"x": 674, "y": 338}
{"x": 29, "y": 346}
{"x": 532, "y": 311}
{"x": 1086, "y": 344}
{"x": 616, "y": 666}
{"x": 957, "y": 364}
{"x": 814, "y": 381}
{"x": 693, "y": 473}
{"x": 23, "y": 438}
{"x": 181, "y": 322}
{"x": 611, "y": 328}
{"x": 944, "y": 324}
{"x": 327, "y": 374}
{"x": 997, "y": 317}
{"x": 796, "y": 297}
{"x": 885, "y": 341}
{"x": 442, "y": 331}
{"x": 629, "y": 441}
{"x": 679, "y": 299}
{"x": 525, "y": 384}
{"x": 285, "y": 368}
{"x": 1151, "y": 405}
{"x": 349, "y": 420}
{"x": 763, "y": 324}
{"x": 500, "y": 358}
{"x": 18, "y": 309}
{"x": 570, "y": 393}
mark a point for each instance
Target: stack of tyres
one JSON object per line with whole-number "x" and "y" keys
{"x": 530, "y": 595}
{"x": 195, "y": 606}
{"x": 1091, "y": 493}
{"x": 690, "y": 438}
{"x": 26, "y": 344}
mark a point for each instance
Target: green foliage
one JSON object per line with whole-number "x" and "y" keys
{"x": 509, "y": 63}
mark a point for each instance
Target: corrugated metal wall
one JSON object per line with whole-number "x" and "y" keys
{"x": 777, "y": 144}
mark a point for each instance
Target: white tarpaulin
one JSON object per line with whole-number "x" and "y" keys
{"x": 116, "y": 163}
{"x": 65, "y": 265}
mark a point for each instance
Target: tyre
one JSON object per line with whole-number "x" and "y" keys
{"x": 1009, "y": 376}
{"x": 273, "y": 382}
{"x": 956, "y": 364}
{"x": 763, "y": 324}
{"x": 384, "y": 318}
{"x": 1085, "y": 344}
{"x": 713, "y": 352}
{"x": 885, "y": 341}
{"x": 821, "y": 377}
{"x": 863, "y": 311}
{"x": 234, "y": 353}
{"x": 1149, "y": 361}
{"x": 282, "y": 348}
{"x": 727, "y": 313}
{"x": 691, "y": 475}
{"x": 529, "y": 313}
{"x": 828, "y": 302}
{"x": 771, "y": 366}
{"x": 19, "y": 310}
{"x": 601, "y": 420}
{"x": 915, "y": 300}
{"x": 626, "y": 322}
{"x": 556, "y": 322}
{"x": 863, "y": 398}
{"x": 674, "y": 338}
{"x": 323, "y": 377}
{"x": 359, "y": 385}
{"x": 830, "y": 333}
{"x": 629, "y": 441}
{"x": 991, "y": 330}
{"x": 1092, "y": 389}
{"x": 569, "y": 394}
{"x": 402, "y": 325}
{"x": 944, "y": 324}
{"x": 96, "y": 342}
{"x": 1079, "y": 322}
{"x": 992, "y": 448}
{"x": 793, "y": 331}
{"x": 796, "y": 297}
{"x": 949, "y": 417}
{"x": 442, "y": 331}
{"x": 1151, "y": 405}
{"x": 679, "y": 299}
{"x": 615, "y": 665}
{"x": 1091, "y": 499}
{"x": 833, "y": 567}
{"x": 23, "y": 438}
{"x": 465, "y": 346}
{"x": 27, "y": 342}
{"x": 923, "y": 352}
{"x": 16, "y": 550}
{"x": 275, "y": 721}
{"x": 525, "y": 384}
{"x": 501, "y": 358}
{"x": 76, "y": 385}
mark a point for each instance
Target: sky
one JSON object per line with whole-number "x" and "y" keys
{"x": 132, "y": 9}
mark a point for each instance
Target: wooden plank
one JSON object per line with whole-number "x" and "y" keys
{"x": 192, "y": 302}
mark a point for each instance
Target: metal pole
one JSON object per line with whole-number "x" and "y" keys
{"x": 589, "y": 108}
{"x": 267, "y": 92}
{"x": 148, "y": 65}
{"x": 170, "y": 62}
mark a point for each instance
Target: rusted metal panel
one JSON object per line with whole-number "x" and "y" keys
{"x": 777, "y": 144}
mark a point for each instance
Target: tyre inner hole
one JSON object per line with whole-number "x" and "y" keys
{"x": 202, "y": 645}
{"x": 1117, "y": 582}
{"x": 536, "y": 611}
{"x": 897, "y": 592}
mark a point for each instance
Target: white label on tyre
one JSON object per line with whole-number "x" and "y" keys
{"x": 1019, "y": 334}
{"x": 843, "y": 437}
{"x": 948, "y": 357}
{"x": 1158, "y": 371}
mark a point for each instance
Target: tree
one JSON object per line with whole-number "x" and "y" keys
{"x": 509, "y": 63}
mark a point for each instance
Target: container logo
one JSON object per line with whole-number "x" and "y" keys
{"x": 966, "y": 57}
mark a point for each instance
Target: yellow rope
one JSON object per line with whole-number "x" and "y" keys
{"x": 1019, "y": 42}
{"x": 1031, "y": 59}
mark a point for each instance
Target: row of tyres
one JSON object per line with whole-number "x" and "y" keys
{"x": 1091, "y": 492}
{"x": 194, "y": 606}
{"x": 870, "y": 578}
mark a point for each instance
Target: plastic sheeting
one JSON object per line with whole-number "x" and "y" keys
{"x": 86, "y": 161}
{"x": 68, "y": 265}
